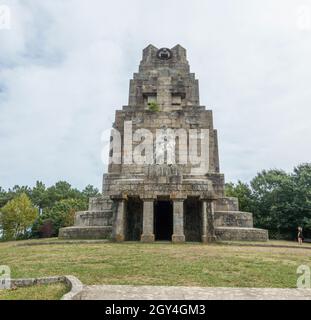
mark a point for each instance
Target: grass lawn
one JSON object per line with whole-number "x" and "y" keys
{"x": 268, "y": 243}
{"x": 218, "y": 265}
{"x": 38, "y": 292}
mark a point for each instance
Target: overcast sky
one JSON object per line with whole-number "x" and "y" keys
{"x": 65, "y": 67}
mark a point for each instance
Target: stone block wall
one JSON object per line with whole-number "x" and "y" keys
{"x": 164, "y": 78}
{"x": 227, "y": 204}
{"x": 241, "y": 234}
{"x": 233, "y": 219}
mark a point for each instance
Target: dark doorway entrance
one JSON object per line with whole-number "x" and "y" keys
{"x": 193, "y": 219}
{"x": 134, "y": 219}
{"x": 163, "y": 220}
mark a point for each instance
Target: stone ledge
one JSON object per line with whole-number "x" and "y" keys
{"x": 241, "y": 234}
{"x": 28, "y": 282}
{"x": 227, "y": 204}
{"x": 130, "y": 292}
{"x": 72, "y": 282}
{"x": 86, "y": 232}
{"x": 76, "y": 286}
{"x": 237, "y": 219}
{"x": 94, "y": 218}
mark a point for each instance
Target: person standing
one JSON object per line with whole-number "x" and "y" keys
{"x": 300, "y": 235}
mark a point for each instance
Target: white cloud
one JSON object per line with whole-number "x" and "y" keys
{"x": 65, "y": 66}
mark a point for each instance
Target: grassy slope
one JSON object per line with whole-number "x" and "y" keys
{"x": 39, "y": 292}
{"x": 159, "y": 264}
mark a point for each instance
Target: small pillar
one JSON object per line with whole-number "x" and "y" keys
{"x": 204, "y": 222}
{"x": 208, "y": 229}
{"x": 178, "y": 218}
{"x": 148, "y": 217}
{"x": 119, "y": 223}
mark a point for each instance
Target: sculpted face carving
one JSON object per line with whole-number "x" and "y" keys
{"x": 164, "y": 54}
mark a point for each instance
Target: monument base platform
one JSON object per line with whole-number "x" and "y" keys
{"x": 85, "y": 233}
{"x": 241, "y": 234}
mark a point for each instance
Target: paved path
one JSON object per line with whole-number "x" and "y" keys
{"x": 189, "y": 293}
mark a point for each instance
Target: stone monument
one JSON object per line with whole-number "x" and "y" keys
{"x": 163, "y": 181}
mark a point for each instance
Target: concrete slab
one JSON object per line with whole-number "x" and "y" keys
{"x": 109, "y": 292}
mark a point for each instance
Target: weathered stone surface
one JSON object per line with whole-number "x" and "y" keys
{"x": 195, "y": 191}
{"x": 109, "y": 292}
{"x": 233, "y": 219}
{"x": 148, "y": 221}
{"x": 85, "y": 233}
{"x": 119, "y": 222}
{"x": 28, "y": 282}
{"x": 227, "y": 204}
{"x": 75, "y": 285}
{"x": 241, "y": 234}
{"x": 209, "y": 212}
{"x": 94, "y": 218}
{"x": 100, "y": 203}
{"x": 178, "y": 219}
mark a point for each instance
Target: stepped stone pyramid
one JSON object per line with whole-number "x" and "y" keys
{"x": 165, "y": 196}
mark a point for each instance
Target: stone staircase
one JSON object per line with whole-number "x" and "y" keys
{"x": 234, "y": 225}
{"x": 96, "y": 223}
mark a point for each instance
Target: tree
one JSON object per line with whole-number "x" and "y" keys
{"x": 18, "y": 190}
{"x": 17, "y": 217}
{"x": 273, "y": 194}
{"x": 45, "y": 229}
{"x": 243, "y": 192}
{"x": 279, "y": 201}
{"x": 3, "y": 197}
{"x": 60, "y": 191}
{"x": 59, "y": 204}
{"x": 59, "y": 216}
{"x": 302, "y": 195}
{"x": 39, "y": 195}
{"x": 6, "y": 196}
{"x": 89, "y": 192}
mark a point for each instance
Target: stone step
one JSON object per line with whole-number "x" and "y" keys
{"x": 100, "y": 204}
{"x": 86, "y": 233}
{"x": 233, "y": 219}
{"x": 94, "y": 218}
{"x": 241, "y": 234}
{"x": 227, "y": 204}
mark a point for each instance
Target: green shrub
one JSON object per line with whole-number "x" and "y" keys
{"x": 153, "y": 106}
{"x": 17, "y": 217}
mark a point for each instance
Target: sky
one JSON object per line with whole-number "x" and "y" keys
{"x": 65, "y": 67}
